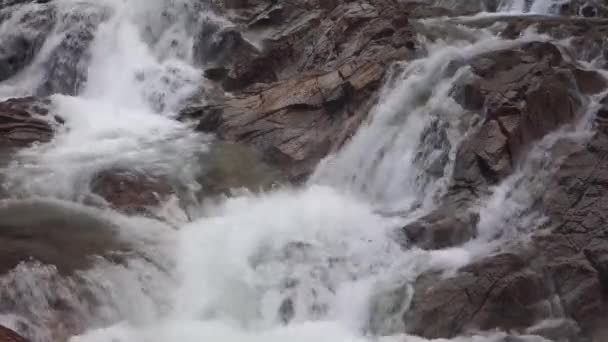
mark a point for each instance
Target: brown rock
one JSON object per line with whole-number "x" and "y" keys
{"x": 22, "y": 122}
{"x": 304, "y": 93}
{"x": 527, "y": 93}
{"x": 296, "y": 122}
{"x": 7, "y": 335}
{"x": 441, "y": 229}
{"x": 131, "y": 192}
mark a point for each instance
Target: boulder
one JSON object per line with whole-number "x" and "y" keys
{"x": 24, "y": 121}
{"x": 443, "y": 228}
{"x": 8, "y": 335}
{"x": 560, "y": 274}
{"x": 527, "y": 92}
{"x": 132, "y": 192}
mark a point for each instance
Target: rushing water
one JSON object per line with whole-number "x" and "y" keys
{"x": 310, "y": 264}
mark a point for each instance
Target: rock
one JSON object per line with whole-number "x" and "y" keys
{"x": 585, "y": 35}
{"x": 585, "y": 8}
{"x": 23, "y": 122}
{"x": 522, "y": 94}
{"x": 441, "y": 229}
{"x": 18, "y": 49}
{"x": 231, "y": 166}
{"x": 312, "y": 81}
{"x": 66, "y": 236}
{"x": 499, "y": 292}
{"x": 132, "y": 192}
{"x": 67, "y": 66}
{"x": 8, "y": 335}
{"x": 296, "y": 122}
{"x": 561, "y": 274}
{"x": 527, "y": 92}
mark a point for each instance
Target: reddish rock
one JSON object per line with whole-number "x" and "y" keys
{"x": 23, "y": 121}
{"x": 130, "y": 191}
{"x": 8, "y": 335}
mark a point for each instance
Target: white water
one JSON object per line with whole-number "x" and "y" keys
{"x": 226, "y": 276}
{"x": 532, "y": 7}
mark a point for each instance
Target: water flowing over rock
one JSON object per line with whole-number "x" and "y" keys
{"x": 256, "y": 170}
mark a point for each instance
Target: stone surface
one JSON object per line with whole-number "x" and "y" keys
{"x": 67, "y": 237}
{"x": 304, "y": 90}
{"x": 8, "y": 335}
{"x": 132, "y": 192}
{"x": 25, "y": 121}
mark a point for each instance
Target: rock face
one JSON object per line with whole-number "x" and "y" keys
{"x": 7, "y": 335}
{"x": 309, "y": 86}
{"x": 521, "y": 94}
{"x": 23, "y": 122}
{"x": 524, "y": 94}
{"x": 294, "y": 80}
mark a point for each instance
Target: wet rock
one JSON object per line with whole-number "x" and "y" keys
{"x": 66, "y": 236}
{"x": 233, "y": 61}
{"x": 312, "y": 80}
{"x": 230, "y": 166}
{"x": 296, "y": 122}
{"x": 499, "y": 292}
{"x": 441, "y": 229}
{"x": 67, "y": 66}
{"x": 25, "y": 121}
{"x": 8, "y": 335}
{"x": 561, "y": 274}
{"x": 130, "y": 191}
{"x": 286, "y": 311}
{"x": 18, "y": 49}
{"x": 585, "y": 8}
{"x": 527, "y": 92}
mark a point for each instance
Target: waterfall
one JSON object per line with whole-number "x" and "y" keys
{"x": 318, "y": 262}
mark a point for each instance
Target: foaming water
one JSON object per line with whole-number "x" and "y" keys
{"x": 532, "y": 7}
{"x": 123, "y": 116}
{"x": 414, "y": 131}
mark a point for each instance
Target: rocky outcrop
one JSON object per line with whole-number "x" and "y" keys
{"x": 132, "y": 192}
{"x": 64, "y": 66}
{"x": 294, "y": 123}
{"x": 8, "y": 335}
{"x": 584, "y": 8}
{"x": 304, "y": 92}
{"x": 521, "y": 95}
{"x": 25, "y": 121}
{"x": 585, "y": 37}
{"x": 561, "y": 274}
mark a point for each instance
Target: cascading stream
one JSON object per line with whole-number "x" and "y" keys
{"x": 316, "y": 263}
